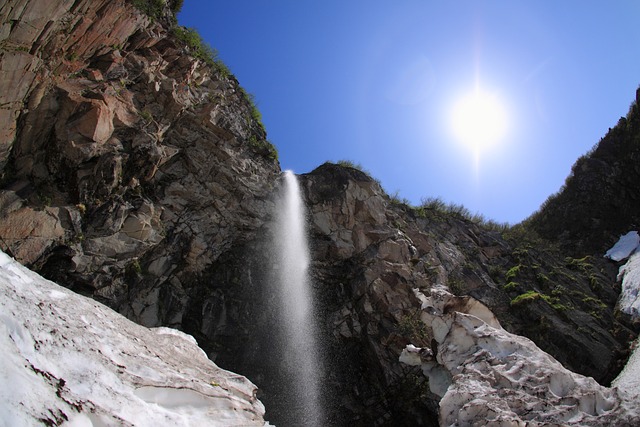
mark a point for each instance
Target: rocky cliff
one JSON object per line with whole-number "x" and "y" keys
{"x": 126, "y": 160}
{"x": 135, "y": 170}
{"x": 600, "y": 198}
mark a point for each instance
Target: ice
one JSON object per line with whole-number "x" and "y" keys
{"x": 629, "y": 302}
{"x": 71, "y": 361}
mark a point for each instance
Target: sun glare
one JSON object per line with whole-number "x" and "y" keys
{"x": 479, "y": 120}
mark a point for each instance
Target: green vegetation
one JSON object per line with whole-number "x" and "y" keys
{"x": 152, "y": 8}
{"x": 146, "y": 116}
{"x": 455, "y": 285}
{"x": 264, "y": 147}
{"x": 511, "y": 287}
{"x": 495, "y": 272}
{"x": 396, "y": 199}
{"x": 541, "y": 278}
{"x": 513, "y": 273}
{"x": 531, "y": 296}
{"x": 579, "y": 264}
{"x": 528, "y": 296}
{"x": 255, "y": 113}
{"x": 176, "y": 5}
{"x": 133, "y": 270}
{"x": 351, "y": 164}
{"x": 200, "y": 49}
{"x": 412, "y": 327}
{"x": 435, "y": 207}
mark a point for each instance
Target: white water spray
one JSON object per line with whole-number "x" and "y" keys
{"x": 302, "y": 364}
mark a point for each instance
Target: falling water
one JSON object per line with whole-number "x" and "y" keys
{"x": 301, "y": 361}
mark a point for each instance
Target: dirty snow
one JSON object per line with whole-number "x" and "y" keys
{"x": 488, "y": 376}
{"x": 70, "y": 361}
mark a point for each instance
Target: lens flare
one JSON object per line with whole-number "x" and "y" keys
{"x": 479, "y": 120}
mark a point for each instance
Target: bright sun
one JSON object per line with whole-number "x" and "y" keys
{"x": 479, "y": 120}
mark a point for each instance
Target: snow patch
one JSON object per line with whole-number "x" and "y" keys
{"x": 629, "y": 379}
{"x": 629, "y": 273}
{"x": 624, "y": 246}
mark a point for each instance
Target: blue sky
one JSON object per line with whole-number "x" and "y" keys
{"x": 375, "y": 82}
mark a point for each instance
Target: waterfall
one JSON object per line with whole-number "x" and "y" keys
{"x": 300, "y": 358}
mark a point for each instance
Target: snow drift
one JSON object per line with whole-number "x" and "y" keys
{"x": 68, "y": 360}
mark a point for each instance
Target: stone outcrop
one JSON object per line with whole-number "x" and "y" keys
{"x": 372, "y": 254}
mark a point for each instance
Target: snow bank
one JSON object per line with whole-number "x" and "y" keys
{"x": 68, "y": 360}
{"x": 497, "y": 378}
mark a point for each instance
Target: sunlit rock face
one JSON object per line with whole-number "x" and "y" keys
{"x": 487, "y": 376}
{"x": 129, "y": 166}
{"x": 69, "y": 360}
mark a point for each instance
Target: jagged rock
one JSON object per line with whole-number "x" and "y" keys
{"x": 31, "y": 232}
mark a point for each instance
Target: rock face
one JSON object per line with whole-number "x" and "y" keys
{"x": 134, "y": 165}
{"x": 72, "y": 361}
{"x": 137, "y": 173}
